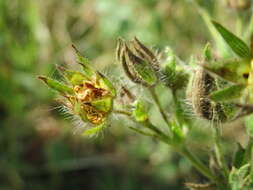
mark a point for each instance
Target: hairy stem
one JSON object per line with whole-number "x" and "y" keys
{"x": 219, "y": 153}
{"x": 198, "y": 164}
{"x": 157, "y": 102}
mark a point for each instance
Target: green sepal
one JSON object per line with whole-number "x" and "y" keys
{"x": 228, "y": 93}
{"x": 142, "y": 68}
{"x": 94, "y": 130}
{"x": 235, "y": 43}
{"x": 88, "y": 71}
{"x": 85, "y": 63}
{"x": 146, "y": 72}
{"x": 207, "y": 52}
{"x": 56, "y": 85}
{"x": 73, "y": 77}
{"x": 140, "y": 111}
{"x": 173, "y": 74}
{"x": 106, "y": 84}
{"x": 77, "y": 109}
{"x": 144, "y": 53}
{"x": 104, "y": 104}
{"x": 178, "y": 134}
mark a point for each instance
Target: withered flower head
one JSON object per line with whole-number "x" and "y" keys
{"x": 88, "y": 94}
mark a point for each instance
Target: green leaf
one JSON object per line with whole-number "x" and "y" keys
{"x": 239, "y": 178}
{"x": 235, "y": 71}
{"x": 239, "y": 156}
{"x": 243, "y": 171}
{"x": 228, "y": 93}
{"x": 235, "y": 43}
{"x": 55, "y": 85}
{"x": 140, "y": 112}
{"x": 249, "y": 124}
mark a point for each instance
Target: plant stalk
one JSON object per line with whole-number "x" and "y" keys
{"x": 157, "y": 102}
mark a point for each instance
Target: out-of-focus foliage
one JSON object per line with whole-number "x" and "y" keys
{"x": 39, "y": 148}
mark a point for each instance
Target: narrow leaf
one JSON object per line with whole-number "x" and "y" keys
{"x": 235, "y": 43}
{"x": 228, "y": 93}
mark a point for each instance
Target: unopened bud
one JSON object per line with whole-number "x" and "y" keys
{"x": 138, "y": 62}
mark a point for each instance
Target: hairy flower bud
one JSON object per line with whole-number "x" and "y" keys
{"x": 201, "y": 85}
{"x": 139, "y": 63}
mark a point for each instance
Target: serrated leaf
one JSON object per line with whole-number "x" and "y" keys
{"x": 235, "y": 43}
{"x": 228, "y": 93}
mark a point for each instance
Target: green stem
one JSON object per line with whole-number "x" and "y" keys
{"x": 198, "y": 164}
{"x": 160, "y": 135}
{"x": 186, "y": 153}
{"x": 219, "y": 153}
{"x": 156, "y": 100}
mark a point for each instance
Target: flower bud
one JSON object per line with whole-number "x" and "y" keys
{"x": 138, "y": 62}
{"x": 201, "y": 85}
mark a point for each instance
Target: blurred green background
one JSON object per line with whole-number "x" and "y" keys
{"x": 40, "y": 148}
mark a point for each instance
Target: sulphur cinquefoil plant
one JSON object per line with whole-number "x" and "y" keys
{"x": 217, "y": 90}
